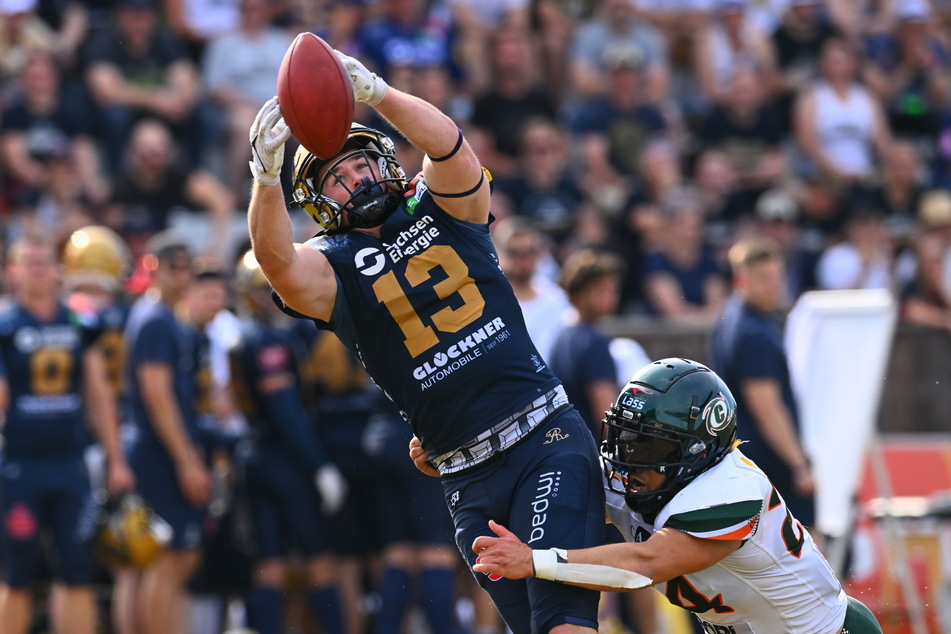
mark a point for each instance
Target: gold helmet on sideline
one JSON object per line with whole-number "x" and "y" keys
{"x": 96, "y": 255}
{"x": 248, "y": 275}
{"x": 248, "y": 279}
{"x": 129, "y": 533}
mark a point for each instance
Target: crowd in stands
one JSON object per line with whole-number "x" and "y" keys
{"x": 660, "y": 131}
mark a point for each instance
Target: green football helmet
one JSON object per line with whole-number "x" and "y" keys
{"x": 674, "y": 416}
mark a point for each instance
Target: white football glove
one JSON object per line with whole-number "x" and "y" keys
{"x": 367, "y": 87}
{"x": 268, "y": 135}
{"x": 332, "y": 488}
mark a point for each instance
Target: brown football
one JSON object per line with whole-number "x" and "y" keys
{"x": 315, "y": 95}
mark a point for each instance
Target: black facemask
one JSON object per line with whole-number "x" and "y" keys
{"x": 370, "y": 204}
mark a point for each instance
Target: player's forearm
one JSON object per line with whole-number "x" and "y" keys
{"x": 295, "y": 429}
{"x": 105, "y": 419}
{"x": 4, "y": 401}
{"x": 422, "y": 123}
{"x": 101, "y": 405}
{"x": 779, "y": 433}
{"x": 167, "y": 422}
{"x": 773, "y": 420}
{"x": 631, "y": 557}
{"x": 516, "y": 560}
{"x": 669, "y": 553}
{"x": 272, "y": 234}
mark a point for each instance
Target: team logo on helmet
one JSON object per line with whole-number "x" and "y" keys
{"x": 717, "y": 415}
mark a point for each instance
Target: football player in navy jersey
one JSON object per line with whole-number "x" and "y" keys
{"x": 339, "y": 397}
{"x": 406, "y": 275}
{"x": 52, "y": 375}
{"x": 419, "y": 561}
{"x": 291, "y": 484}
{"x": 166, "y": 452}
{"x": 96, "y": 262}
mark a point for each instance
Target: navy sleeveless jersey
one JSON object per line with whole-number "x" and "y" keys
{"x": 262, "y": 352}
{"x": 342, "y": 395}
{"x": 42, "y": 362}
{"x": 153, "y": 335}
{"x": 434, "y": 321}
{"x": 264, "y": 355}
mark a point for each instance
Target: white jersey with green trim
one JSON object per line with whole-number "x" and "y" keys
{"x": 777, "y": 581}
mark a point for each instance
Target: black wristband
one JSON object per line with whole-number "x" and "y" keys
{"x": 452, "y": 153}
{"x": 463, "y": 194}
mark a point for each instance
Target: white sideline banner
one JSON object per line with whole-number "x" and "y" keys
{"x": 838, "y": 344}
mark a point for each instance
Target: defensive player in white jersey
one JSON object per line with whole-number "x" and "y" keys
{"x": 701, "y": 522}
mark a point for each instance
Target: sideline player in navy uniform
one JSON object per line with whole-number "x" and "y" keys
{"x": 407, "y": 276}
{"x": 289, "y": 480}
{"x": 340, "y": 397}
{"x": 165, "y": 452}
{"x": 96, "y": 262}
{"x": 419, "y": 561}
{"x": 52, "y": 375}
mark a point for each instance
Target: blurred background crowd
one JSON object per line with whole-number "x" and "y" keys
{"x": 636, "y": 140}
{"x": 660, "y": 131}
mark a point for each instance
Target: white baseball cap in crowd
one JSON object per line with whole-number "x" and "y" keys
{"x": 13, "y": 7}
{"x": 912, "y": 11}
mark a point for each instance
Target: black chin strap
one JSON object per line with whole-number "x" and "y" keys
{"x": 370, "y": 205}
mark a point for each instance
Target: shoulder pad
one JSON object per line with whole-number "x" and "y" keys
{"x": 723, "y": 503}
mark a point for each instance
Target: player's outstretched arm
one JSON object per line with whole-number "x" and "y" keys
{"x": 452, "y": 170}
{"x": 301, "y": 276}
{"x": 667, "y": 554}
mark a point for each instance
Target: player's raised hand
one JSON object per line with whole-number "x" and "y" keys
{"x": 420, "y": 458}
{"x": 268, "y": 135}
{"x": 504, "y": 555}
{"x": 367, "y": 86}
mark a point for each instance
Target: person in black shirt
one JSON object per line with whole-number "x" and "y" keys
{"x": 798, "y": 42}
{"x": 512, "y": 98}
{"x": 749, "y": 132}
